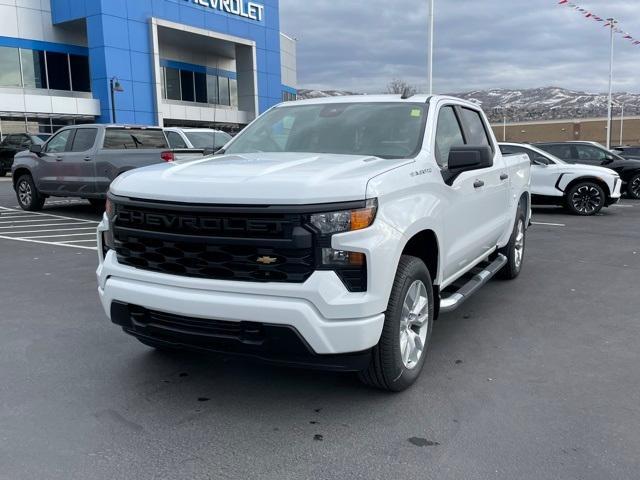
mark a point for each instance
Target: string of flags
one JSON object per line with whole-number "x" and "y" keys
{"x": 606, "y": 23}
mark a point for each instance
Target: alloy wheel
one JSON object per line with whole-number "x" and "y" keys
{"x": 587, "y": 199}
{"x": 635, "y": 187}
{"x": 25, "y": 193}
{"x": 414, "y": 324}
{"x": 519, "y": 245}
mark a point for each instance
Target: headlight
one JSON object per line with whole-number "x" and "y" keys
{"x": 345, "y": 221}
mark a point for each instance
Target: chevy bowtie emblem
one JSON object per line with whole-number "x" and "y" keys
{"x": 267, "y": 260}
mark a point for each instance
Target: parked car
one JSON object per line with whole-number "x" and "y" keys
{"x": 203, "y": 138}
{"x": 330, "y": 233}
{"x": 14, "y": 143}
{"x": 592, "y": 153}
{"x": 582, "y": 189}
{"x": 82, "y": 161}
{"x": 631, "y": 152}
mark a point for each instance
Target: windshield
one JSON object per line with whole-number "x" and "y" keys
{"x": 208, "y": 139}
{"x": 386, "y": 130}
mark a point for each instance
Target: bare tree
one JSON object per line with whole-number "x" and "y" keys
{"x": 401, "y": 87}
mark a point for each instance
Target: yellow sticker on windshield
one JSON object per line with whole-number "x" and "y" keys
{"x": 416, "y": 112}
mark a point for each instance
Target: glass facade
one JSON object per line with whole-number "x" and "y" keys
{"x": 197, "y": 87}
{"x": 20, "y": 67}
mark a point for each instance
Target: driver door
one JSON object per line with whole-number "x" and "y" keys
{"x": 52, "y": 175}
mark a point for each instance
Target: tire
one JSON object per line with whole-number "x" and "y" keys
{"x": 633, "y": 187}
{"x": 585, "y": 199}
{"x": 160, "y": 346}
{"x": 29, "y": 198}
{"x": 514, "y": 250}
{"x": 97, "y": 203}
{"x": 388, "y": 370}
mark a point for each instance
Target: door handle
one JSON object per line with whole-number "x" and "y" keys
{"x": 58, "y": 159}
{"x": 478, "y": 184}
{"x": 87, "y": 159}
{"x": 504, "y": 176}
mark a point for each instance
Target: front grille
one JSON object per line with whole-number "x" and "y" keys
{"x": 253, "y": 247}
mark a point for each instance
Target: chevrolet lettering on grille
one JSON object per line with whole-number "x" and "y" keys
{"x": 191, "y": 223}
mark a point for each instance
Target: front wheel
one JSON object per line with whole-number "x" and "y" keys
{"x": 29, "y": 198}
{"x": 633, "y": 187}
{"x": 585, "y": 199}
{"x": 398, "y": 359}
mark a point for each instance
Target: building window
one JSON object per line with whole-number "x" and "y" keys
{"x": 212, "y": 89}
{"x": 40, "y": 69}
{"x": 9, "y": 67}
{"x": 34, "y": 72}
{"x": 288, "y": 96}
{"x": 80, "y": 78}
{"x": 172, "y": 84}
{"x": 233, "y": 92}
{"x": 58, "y": 71}
{"x": 223, "y": 91}
{"x": 188, "y": 88}
{"x": 201, "y": 87}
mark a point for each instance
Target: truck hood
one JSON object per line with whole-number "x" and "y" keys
{"x": 256, "y": 178}
{"x": 587, "y": 169}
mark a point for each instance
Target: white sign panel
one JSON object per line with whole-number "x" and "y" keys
{"x": 242, "y": 8}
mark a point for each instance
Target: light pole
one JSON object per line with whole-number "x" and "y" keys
{"x": 431, "y": 36}
{"x": 621, "y": 124}
{"x": 115, "y": 86}
{"x": 612, "y": 24}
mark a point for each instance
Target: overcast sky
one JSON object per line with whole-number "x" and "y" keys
{"x": 360, "y": 45}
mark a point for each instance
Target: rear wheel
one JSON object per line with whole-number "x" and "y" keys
{"x": 29, "y": 198}
{"x": 514, "y": 250}
{"x": 399, "y": 357}
{"x": 585, "y": 199}
{"x": 633, "y": 187}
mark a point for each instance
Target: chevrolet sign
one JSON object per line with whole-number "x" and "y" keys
{"x": 242, "y": 8}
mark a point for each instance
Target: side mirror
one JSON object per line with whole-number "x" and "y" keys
{"x": 609, "y": 158}
{"x": 470, "y": 158}
{"x": 37, "y": 149}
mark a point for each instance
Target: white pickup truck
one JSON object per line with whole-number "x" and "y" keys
{"x": 330, "y": 233}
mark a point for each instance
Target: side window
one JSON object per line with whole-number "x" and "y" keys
{"x": 84, "y": 139}
{"x": 474, "y": 126}
{"x": 175, "y": 140}
{"x": 448, "y": 134}
{"x": 58, "y": 143}
{"x": 590, "y": 154}
{"x": 563, "y": 152}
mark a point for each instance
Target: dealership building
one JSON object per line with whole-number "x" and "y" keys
{"x": 147, "y": 62}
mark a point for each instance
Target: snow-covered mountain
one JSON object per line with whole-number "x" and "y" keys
{"x": 533, "y": 104}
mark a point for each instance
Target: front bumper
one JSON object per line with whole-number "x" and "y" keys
{"x": 617, "y": 193}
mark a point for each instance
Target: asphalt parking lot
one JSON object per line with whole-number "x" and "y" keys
{"x": 532, "y": 379}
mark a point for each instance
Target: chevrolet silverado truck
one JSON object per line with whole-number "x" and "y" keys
{"x": 330, "y": 233}
{"x": 82, "y": 161}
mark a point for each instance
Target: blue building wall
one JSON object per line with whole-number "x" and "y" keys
{"x": 119, "y": 44}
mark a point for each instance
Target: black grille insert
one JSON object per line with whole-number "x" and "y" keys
{"x": 252, "y": 247}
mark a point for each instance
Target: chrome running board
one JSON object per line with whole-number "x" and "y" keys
{"x": 450, "y": 301}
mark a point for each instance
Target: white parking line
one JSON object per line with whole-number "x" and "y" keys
{"x": 52, "y": 230}
{"x": 549, "y": 224}
{"x": 62, "y": 231}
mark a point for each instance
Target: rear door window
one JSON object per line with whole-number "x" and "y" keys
{"x": 563, "y": 152}
{"x": 175, "y": 140}
{"x": 474, "y": 128}
{"x": 84, "y": 139}
{"x": 134, "y": 139}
